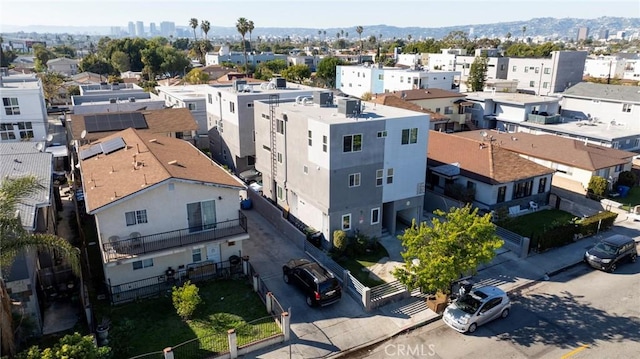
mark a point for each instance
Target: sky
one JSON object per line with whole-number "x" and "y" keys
{"x": 304, "y": 13}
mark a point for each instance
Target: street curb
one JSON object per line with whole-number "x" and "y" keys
{"x": 514, "y": 290}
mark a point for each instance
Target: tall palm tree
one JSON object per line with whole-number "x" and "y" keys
{"x": 524, "y": 29}
{"x": 250, "y": 28}
{"x": 359, "y": 30}
{"x": 242, "y": 25}
{"x": 194, "y": 24}
{"x": 205, "y": 26}
{"x": 14, "y": 239}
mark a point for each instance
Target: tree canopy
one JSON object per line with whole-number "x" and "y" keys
{"x": 478, "y": 73}
{"x": 297, "y": 73}
{"x": 438, "y": 254}
{"x": 327, "y": 70}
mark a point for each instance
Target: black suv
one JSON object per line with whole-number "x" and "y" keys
{"x": 608, "y": 253}
{"x": 318, "y": 284}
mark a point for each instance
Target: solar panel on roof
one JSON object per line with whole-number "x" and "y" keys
{"x": 114, "y": 121}
{"x": 90, "y": 152}
{"x": 112, "y": 145}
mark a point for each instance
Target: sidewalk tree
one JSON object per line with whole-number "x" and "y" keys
{"x": 478, "y": 73}
{"x": 454, "y": 244}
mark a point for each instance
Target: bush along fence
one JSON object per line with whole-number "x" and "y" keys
{"x": 564, "y": 233}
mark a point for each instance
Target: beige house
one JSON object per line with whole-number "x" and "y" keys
{"x": 63, "y": 65}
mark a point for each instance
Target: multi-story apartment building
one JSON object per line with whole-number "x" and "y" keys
{"x": 544, "y": 76}
{"x": 24, "y": 114}
{"x": 446, "y": 60}
{"x": 583, "y": 34}
{"x": 342, "y": 167}
{"x": 237, "y": 57}
{"x": 194, "y": 98}
{"x": 230, "y": 112}
{"x": 496, "y": 67}
{"x": 604, "y": 67}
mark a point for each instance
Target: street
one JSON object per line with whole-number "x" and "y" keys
{"x": 579, "y": 313}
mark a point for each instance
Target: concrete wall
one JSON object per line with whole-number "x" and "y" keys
{"x": 603, "y": 110}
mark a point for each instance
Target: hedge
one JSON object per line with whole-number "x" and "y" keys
{"x": 563, "y": 234}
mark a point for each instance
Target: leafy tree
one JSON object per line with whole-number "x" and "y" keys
{"x": 438, "y": 254}
{"x": 297, "y": 73}
{"x": 120, "y": 61}
{"x": 64, "y": 51}
{"x": 14, "y": 239}
{"x": 197, "y": 76}
{"x": 598, "y": 186}
{"x": 478, "y": 73}
{"x": 181, "y": 44}
{"x": 52, "y": 82}
{"x": 327, "y": 70}
{"x": 193, "y": 22}
{"x": 242, "y": 25}
{"x": 73, "y": 90}
{"x": 627, "y": 178}
{"x": 42, "y": 55}
{"x": 456, "y": 39}
{"x": 367, "y": 96}
{"x": 71, "y": 346}
{"x": 199, "y": 50}
{"x": 186, "y": 299}
{"x": 92, "y": 63}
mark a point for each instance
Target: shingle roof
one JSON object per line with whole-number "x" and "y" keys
{"x": 159, "y": 121}
{"x": 20, "y": 159}
{"x": 425, "y": 94}
{"x": 591, "y": 90}
{"x": 481, "y": 160}
{"x": 113, "y": 177}
{"x": 394, "y": 101}
{"x": 557, "y": 149}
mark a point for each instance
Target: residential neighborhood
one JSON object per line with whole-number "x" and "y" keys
{"x": 174, "y": 191}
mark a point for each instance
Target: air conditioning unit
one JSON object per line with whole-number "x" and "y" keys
{"x": 113, "y": 100}
{"x": 132, "y": 99}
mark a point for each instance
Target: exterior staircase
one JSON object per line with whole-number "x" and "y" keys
{"x": 472, "y": 126}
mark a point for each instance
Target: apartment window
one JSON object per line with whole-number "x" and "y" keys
{"x": 626, "y": 107}
{"x": 437, "y": 109}
{"x": 448, "y": 110}
{"x": 532, "y": 83}
{"x": 6, "y": 132}
{"x": 537, "y": 70}
{"x": 145, "y": 263}
{"x": 210, "y": 98}
{"x": 305, "y": 169}
{"x": 354, "y": 180}
{"x": 526, "y": 69}
{"x": 280, "y": 192}
{"x": 502, "y": 192}
{"x": 382, "y": 134}
{"x": 192, "y": 106}
{"x": 136, "y": 217}
{"x": 346, "y": 222}
{"x": 514, "y": 68}
{"x": 232, "y": 107}
{"x": 196, "y": 255}
{"x": 280, "y": 157}
{"x": 380, "y": 77}
{"x": 280, "y": 126}
{"x": 545, "y": 85}
{"x": 324, "y": 143}
{"x": 352, "y": 143}
{"x": 264, "y": 115}
{"x": 501, "y": 67}
{"x": 11, "y": 106}
{"x": 619, "y": 168}
{"x": 201, "y": 216}
{"x": 390, "y": 176}
{"x": 547, "y": 70}
{"x": 375, "y": 216}
{"x": 522, "y": 189}
{"x": 250, "y": 104}
{"x": 542, "y": 185}
{"x": 401, "y": 79}
{"x": 266, "y": 148}
{"x": 310, "y": 138}
{"x": 409, "y": 136}
{"x": 379, "y": 175}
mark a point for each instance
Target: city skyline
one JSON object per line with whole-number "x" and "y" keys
{"x": 327, "y": 14}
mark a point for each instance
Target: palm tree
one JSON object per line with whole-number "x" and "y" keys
{"x": 205, "y": 26}
{"x": 14, "y": 239}
{"x": 508, "y": 35}
{"x": 250, "y": 27}
{"x": 194, "y": 24}
{"x": 409, "y": 38}
{"x": 524, "y": 29}
{"x": 242, "y": 25}
{"x": 359, "y": 30}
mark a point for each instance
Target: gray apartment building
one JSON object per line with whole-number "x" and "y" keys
{"x": 545, "y": 76}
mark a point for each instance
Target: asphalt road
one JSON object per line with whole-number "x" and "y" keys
{"x": 580, "y": 313}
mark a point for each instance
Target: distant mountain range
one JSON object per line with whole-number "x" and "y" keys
{"x": 546, "y": 26}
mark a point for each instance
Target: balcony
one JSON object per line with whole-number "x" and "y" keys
{"x": 543, "y": 119}
{"x": 114, "y": 250}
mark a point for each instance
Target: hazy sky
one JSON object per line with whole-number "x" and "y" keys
{"x": 304, "y": 13}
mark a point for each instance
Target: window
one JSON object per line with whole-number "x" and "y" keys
{"x": 305, "y": 169}
{"x": 542, "y": 185}
{"x": 547, "y": 70}
{"x": 502, "y": 192}
{"x": 471, "y": 185}
{"x": 192, "y": 106}
{"x": 201, "y": 215}
{"x": 324, "y": 143}
{"x": 145, "y": 263}
{"x": 310, "y": 138}
{"x": 220, "y": 126}
{"x": 448, "y": 110}
{"x": 380, "y": 77}
{"x": 280, "y": 157}
{"x": 196, "y": 255}
{"x": 532, "y": 83}
{"x": 626, "y": 107}
{"x": 346, "y": 222}
{"x": 437, "y": 109}
{"x": 375, "y": 216}
{"x": 280, "y": 126}
{"x": 6, "y": 132}
{"x": 514, "y": 68}
{"x": 354, "y": 180}
{"x": 379, "y": 174}
{"x": 537, "y": 70}
{"x": 526, "y": 69}
{"x": 136, "y": 217}
{"x": 11, "y": 106}
{"x": 522, "y": 189}
{"x": 389, "y": 175}
{"x": 401, "y": 79}
{"x": 250, "y": 104}
{"x": 352, "y": 143}
{"x": 382, "y": 134}
{"x": 264, "y": 115}
{"x": 409, "y": 136}
{"x": 210, "y": 98}
{"x": 280, "y": 193}
{"x": 232, "y": 107}
{"x": 545, "y": 85}
{"x": 619, "y": 168}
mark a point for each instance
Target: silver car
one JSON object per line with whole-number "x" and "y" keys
{"x": 480, "y": 306}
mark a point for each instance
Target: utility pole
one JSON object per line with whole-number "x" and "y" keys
{"x": 609, "y": 76}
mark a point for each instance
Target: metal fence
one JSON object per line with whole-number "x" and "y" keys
{"x": 153, "y": 355}
{"x": 256, "y": 330}
{"x": 203, "y": 347}
{"x": 387, "y": 289}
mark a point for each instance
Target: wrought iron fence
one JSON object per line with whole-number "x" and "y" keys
{"x": 256, "y": 330}
{"x": 204, "y": 347}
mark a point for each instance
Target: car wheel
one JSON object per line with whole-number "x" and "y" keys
{"x": 285, "y": 277}
{"x": 633, "y": 258}
{"x": 505, "y": 313}
{"x": 613, "y": 268}
{"x": 310, "y": 301}
{"x": 472, "y": 328}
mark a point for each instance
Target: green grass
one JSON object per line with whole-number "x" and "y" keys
{"x": 356, "y": 263}
{"x": 151, "y": 325}
{"x": 533, "y": 224}
{"x": 631, "y": 200}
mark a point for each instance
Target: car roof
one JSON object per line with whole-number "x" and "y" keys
{"x": 488, "y": 292}
{"x": 617, "y": 239}
{"x": 316, "y": 270}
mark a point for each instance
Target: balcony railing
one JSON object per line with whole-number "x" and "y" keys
{"x": 544, "y": 120}
{"x": 127, "y": 248}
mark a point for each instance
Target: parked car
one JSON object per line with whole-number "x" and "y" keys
{"x": 319, "y": 286}
{"x": 611, "y": 251}
{"x": 480, "y": 306}
{"x": 250, "y": 175}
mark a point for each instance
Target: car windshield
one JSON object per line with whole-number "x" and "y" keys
{"x": 468, "y": 304}
{"x": 606, "y": 248}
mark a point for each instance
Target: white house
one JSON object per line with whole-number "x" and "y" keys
{"x": 604, "y": 67}
{"x": 24, "y": 114}
{"x": 545, "y": 76}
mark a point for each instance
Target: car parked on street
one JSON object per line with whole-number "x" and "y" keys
{"x": 611, "y": 251}
{"x": 476, "y": 308}
{"x": 319, "y": 286}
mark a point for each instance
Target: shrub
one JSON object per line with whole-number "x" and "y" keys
{"x": 339, "y": 240}
{"x": 627, "y": 178}
{"x": 589, "y": 225}
{"x": 598, "y": 186}
{"x": 186, "y": 299}
{"x": 70, "y": 346}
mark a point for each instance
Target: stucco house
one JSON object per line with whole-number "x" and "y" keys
{"x": 162, "y": 209}
{"x": 63, "y": 65}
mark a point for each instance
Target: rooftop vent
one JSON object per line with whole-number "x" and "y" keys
{"x": 349, "y": 107}
{"x": 323, "y": 98}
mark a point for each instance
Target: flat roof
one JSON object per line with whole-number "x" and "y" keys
{"x": 602, "y": 130}
{"x": 510, "y": 97}
{"x": 20, "y": 81}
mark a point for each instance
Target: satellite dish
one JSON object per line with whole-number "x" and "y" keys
{"x": 483, "y": 133}
{"x": 49, "y": 137}
{"x": 39, "y": 146}
{"x": 83, "y": 134}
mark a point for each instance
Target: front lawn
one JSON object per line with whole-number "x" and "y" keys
{"x": 632, "y": 199}
{"x": 151, "y": 325}
{"x": 535, "y": 223}
{"x": 356, "y": 262}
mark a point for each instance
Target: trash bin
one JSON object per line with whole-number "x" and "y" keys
{"x": 623, "y": 190}
{"x": 315, "y": 239}
{"x": 246, "y": 204}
